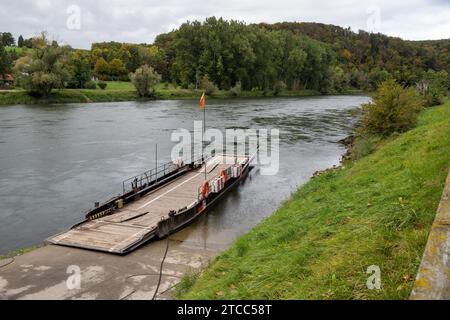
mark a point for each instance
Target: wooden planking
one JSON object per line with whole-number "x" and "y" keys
{"x": 102, "y": 236}
{"x": 128, "y": 225}
{"x": 124, "y": 216}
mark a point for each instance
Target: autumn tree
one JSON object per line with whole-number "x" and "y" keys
{"x": 393, "y": 109}
{"x": 117, "y": 68}
{"x": 101, "y": 68}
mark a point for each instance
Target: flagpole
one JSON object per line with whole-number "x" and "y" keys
{"x": 203, "y": 137}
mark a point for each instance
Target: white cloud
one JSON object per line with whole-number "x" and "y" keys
{"x": 140, "y": 21}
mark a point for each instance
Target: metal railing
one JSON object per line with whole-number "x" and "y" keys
{"x": 149, "y": 177}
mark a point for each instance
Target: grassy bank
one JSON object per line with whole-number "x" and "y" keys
{"x": 319, "y": 244}
{"x": 68, "y": 96}
{"x": 124, "y": 91}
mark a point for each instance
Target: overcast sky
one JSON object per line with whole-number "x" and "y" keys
{"x": 81, "y": 22}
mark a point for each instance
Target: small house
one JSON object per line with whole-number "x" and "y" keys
{"x": 6, "y": 81}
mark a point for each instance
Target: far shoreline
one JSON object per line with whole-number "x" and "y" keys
{"x": 65, "y": 96}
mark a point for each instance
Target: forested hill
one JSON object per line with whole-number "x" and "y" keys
{"x": 367, "y": 51}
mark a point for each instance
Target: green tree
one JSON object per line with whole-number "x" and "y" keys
{"x": 394, "y": 109}
{"x": 377, "y": 76}
{"x": 43, "y": 69}
{"x": 28, "y": 43}
{"x": 358, "y": 79}
{"x": 154, "y": 57}
{"x": 295, "y": 65}
{"x": 7, "y": 39}
{"x": 339, "y": 79}
{"x": 80, "y": 68}
{"x": 5, "y": 62}
{"x": 144, "y": 79}
{"x": 20, "y": 42}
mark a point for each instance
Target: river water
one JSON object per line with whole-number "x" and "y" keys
{"x": 57, "y": 160}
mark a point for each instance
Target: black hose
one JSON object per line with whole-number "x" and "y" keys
{"x": 160, "y": 274}
{"x": 161, "y": 268}
{"x": 7, "y": 264}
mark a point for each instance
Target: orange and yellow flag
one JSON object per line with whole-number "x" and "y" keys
{"x": 202, "y": 101}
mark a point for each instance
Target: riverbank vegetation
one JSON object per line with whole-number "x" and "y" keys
{"x": 376, "y": 209}
{"x": 117, "y": 91}
{"x": 231, "y": 58}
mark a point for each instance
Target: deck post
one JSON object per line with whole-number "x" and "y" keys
{"x": 203, "y": 139}
{"x": 156, "y": 162}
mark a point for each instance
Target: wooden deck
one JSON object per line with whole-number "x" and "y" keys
{"x": 140, "y": 218}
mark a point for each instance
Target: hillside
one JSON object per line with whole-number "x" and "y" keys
{"x": 319, "y": 244}
{"x": 366, "y": 51}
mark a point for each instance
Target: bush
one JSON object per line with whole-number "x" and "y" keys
{"x": 91, "y": 85}
{"x": 433, "y": 87}
{"x": 279, "y": 87}
{"x": 72, "y": 85}
{"x": 236, "y": 90}
{"x": 340, "y": 79}
{"x": 394, "y": 109}
{"x": 145, "y": 79}
{"x": 377, "y": 77}
{"x": 208, "y": 86}
{"x": 363, "y": 145}
{"x": 102, "y": 85}
{"x": 358, "y": 79}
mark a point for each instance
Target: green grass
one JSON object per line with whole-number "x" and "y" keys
{"x": 320, "y": 242}
{"x": 119, "y": 85}
{"x": 68, "y": 96}
{"x": 125, "y": 91}
{"x": 18, "y": 50}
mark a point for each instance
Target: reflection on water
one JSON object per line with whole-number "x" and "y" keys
{"x": 56, "y": 161}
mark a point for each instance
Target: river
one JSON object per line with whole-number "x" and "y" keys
{"x": 57, "y": 160}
